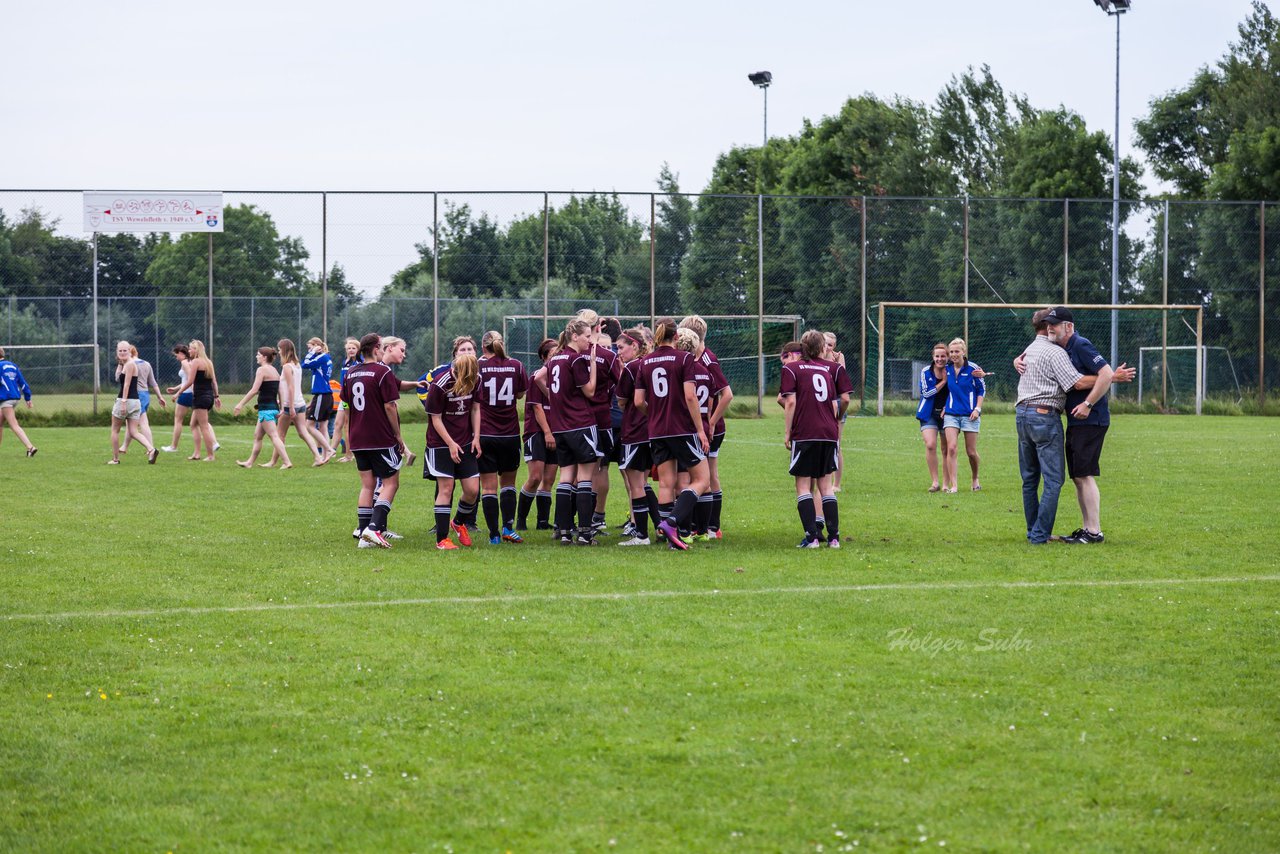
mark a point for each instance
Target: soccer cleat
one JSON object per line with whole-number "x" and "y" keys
{"x": 522, "y": 526}
{"x": 809, "y": 543}
{"x": 564, "y": 538}
{"x": 464, "y": 536}
{"x": 673, "y": 536}
{"x": 1085, "y": 538}
{"x": 601, "y": 528}
{"x": 361, "y": 544}
{"x": 585, "y": 538}
{"x": 446, "y": 545}
{"x": 373, "y": 537}
{"x": 472, "y": 526}
{"x": 510, "y": 536}
{"x": 151, "y": 457}
{"x": 356, "y": 533}
{"x": 495, "y": 541}
{"x": 392, "y": 535}
{"x": 636, "y": 541}
{"x": 629, "y": 529}
{"x": 833, "y": 543}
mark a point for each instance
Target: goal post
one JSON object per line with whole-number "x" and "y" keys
{"x": 57, "y": 367}
{"x": 996, "y": 333}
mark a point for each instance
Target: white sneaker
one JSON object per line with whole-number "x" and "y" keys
{"x": 216, "y": 447}
{"x": 168, "y": 449}
{"x": 356, "y": 533}
{"x": 635, "y": 541}
{"x": 374, "y": 538}
{"x": 392, "y": 535}
{"x": 364, "y": 544}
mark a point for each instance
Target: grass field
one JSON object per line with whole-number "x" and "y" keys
{"x": 194, "y": 657}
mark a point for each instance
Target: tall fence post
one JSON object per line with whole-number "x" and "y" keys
{"x": 546, "y": 259}
{"x": 209, "y": 344}
{"x": 253, "y": 310}
{"x": 862, "y": 251}
{"x": 1066, "y": 250}
{"x": 1262, "y": 305}
{"x": 435, "y": 278}
{"x": 880, "y": 365}
{"x": 760, "y": 302}
{"x": 966, "y": 270}
{"x": 653, "y": 240}
{"x": 1164, "y": 318}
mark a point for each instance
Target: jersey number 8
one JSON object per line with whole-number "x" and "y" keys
{"x": 357, "y": 396}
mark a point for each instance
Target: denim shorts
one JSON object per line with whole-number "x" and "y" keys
{"x": 963, "y": 423}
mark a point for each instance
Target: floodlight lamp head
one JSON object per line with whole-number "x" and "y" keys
{"x": 1114, "y": 7}
{"x": 761, "y": 78}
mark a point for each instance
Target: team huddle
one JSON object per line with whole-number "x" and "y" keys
{"x": 652, "y": 402}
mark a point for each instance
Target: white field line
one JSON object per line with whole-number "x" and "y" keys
{"x": 637, "y": 595}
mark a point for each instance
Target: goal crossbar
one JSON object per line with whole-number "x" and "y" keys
{"x": 1162, "y": 307}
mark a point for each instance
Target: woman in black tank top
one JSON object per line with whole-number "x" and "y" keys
{"x": 127, "y": 411}
{"x": 203, "y": 382}
{"x": 266, "y": 386}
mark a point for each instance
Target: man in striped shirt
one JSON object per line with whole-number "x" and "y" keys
{"x": 1042, "y": 394}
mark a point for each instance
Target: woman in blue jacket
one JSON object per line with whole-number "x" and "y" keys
{"x": 933, "y": 397}
{"x": 13, "y": 387}
{"x": 963, "y": 412}
{"x": 320, "y": 363}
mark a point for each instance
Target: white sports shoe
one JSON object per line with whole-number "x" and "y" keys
{"x": 392, "y": 535}
{"x": 374, "y": 538}
{"x": 636, "y": 541}
{"x": 216, "y": 447}
{"x": 168, "y": 449}
{"x": 364, "y": 544}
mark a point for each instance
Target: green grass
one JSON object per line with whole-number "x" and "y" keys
{"x": 194, "y": 657}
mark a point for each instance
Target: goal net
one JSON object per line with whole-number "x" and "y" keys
{"x": 54, "y": 368}
{"x": 733, "y": 338}
{"x": 1168, "y": 375}
{"x": 901, "y": 336}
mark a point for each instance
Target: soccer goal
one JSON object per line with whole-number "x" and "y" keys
{"x": 733, "y": 338}
{"x": 1166, "y": 373}
{"x": 56, "y": 368}
{"x": 996, "y": 333}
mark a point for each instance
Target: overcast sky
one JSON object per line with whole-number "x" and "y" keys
{"x": 555, "y": 95}
{"x": 484, "y": 96}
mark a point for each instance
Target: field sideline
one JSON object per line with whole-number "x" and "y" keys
{"x": 194, "y": 656}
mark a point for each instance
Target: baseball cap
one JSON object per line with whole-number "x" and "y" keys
{"x": 1059, "y": 314}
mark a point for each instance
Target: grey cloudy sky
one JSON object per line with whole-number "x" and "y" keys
{"x": 555, "y": 95}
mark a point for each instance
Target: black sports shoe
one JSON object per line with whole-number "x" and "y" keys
{"x": 543, "y": 526}
{"x": 564, "y": 538}
{"x": 585, "y": 538}
{"x": 1078, "y": 532}
{"x": 1085, "y": 538}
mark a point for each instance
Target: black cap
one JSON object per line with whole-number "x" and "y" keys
{"x": 1059, "y": 314}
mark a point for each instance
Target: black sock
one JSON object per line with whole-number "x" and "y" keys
{"x": 651, "y": 501}
{"x": 507, "y": 500}
{"x": 490, "y": 504}
{"x": 442, "y": 522}
{"x": 831, "y": 511}
{"x": 564, "y": 506}
{"x": 523, "y": 505}
{"x": 808, "y": 516}
{"x": 466, "y": 512}
{"x": 586, "y": 505}
{"x": 717, "y": 501}
{"x": 381, "y": 509}
{"x": 597, "y": 517}
{"x": 544, "y": 508}
{"x": 686, "y": 501}
{"x": 363, "y": 515}
{"x": 702, "y": 514}
{"x": 666, "y": 512}
{"x": 640, "y": 516}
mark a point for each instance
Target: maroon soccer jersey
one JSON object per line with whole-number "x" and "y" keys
{"x": 454, "y": 410}
{"x": 816, "y": 384}
{"x": 502, "y": 381}
{"x": 662, "y": 376}
{"x": 535, "y": 398}
{"x": 722, "y": 384}
{"x": 607, "y": 367}
{"x": 366, "y": 390}
{"x": 708, "y": 382}
{"x": 635, "y": 426}
{"x": 567, "y": 373}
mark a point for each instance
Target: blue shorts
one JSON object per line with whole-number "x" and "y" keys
{"x": 933, "y": 422}
{"x": 268, "y": 415}
{"x": 186, "y": 399}
{"x": 963, "y": 423}
{"x": 144, "y": 398}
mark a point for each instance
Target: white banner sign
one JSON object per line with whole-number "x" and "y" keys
{"x": 175, "y": 212}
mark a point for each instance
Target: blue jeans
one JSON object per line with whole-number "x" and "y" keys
{"x": 1040, "y": 457}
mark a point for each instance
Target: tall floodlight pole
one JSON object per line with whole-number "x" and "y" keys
{"x": 762, "y": 79}
{"x": 1115, "y": 8}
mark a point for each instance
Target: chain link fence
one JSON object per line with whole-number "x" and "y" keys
{"x": 430, "y": 266}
